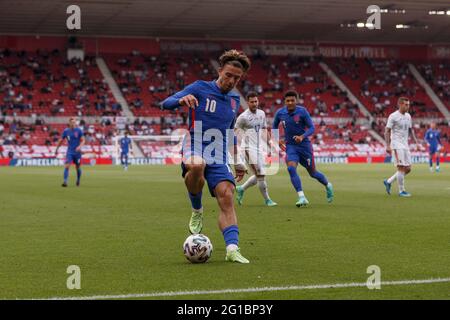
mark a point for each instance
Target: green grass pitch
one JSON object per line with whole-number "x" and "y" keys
{"x": 125, "y": 231}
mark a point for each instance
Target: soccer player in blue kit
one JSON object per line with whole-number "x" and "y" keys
{"x": 433, "y": 139}
{"x": 125, "y": 147}
{"x": 298, "y": 127}
{"x": 213, "y": 108}
{"x": 75, "y": 140}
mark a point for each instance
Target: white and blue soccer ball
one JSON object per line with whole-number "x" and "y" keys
{"x": 197, "y": 248}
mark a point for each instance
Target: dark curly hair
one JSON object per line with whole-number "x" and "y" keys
{"x": 235, "y": 58}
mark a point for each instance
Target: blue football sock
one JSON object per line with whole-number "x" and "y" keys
{"x": 319, "y": 176}
{"x": 66, "y": 174}
{"x": 295, "y": 179}
{"x": 438, "y": 160}
{"x": 78, "y": 174}
{"x": 196, "y": 200}
{"x": 431, "y": 162}
{"x": 231, "y": 235}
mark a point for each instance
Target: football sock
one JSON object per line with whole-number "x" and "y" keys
{"x": 262, "y": 184}
{"x": 249, "y": 183}
{"x": 319, "y": 176}
{"x": 66, "y": 174}
{"x": 231, "y": 237}
{"x": 196, "y": 200}
{"x": 78, "y": 174}
{"x": 431, "y": 162}
{"x": 438, "y": 160}
{"x": 295, "y": 179}
{"x": 401, "y": 181}
{"x": 392, "y": 179}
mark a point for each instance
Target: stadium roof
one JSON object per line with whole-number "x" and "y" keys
{"x": 308, "y": 20}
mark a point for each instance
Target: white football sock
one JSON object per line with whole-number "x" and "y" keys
{"x": 392, "y": 179}
{"x": 300, "y": 194}
{"x": 231, "y": 247}
{"x": 197, "y": 210}
{"x": 262, "y": 184}
{"x": 249, "y": 183}
{"x": 401, "y": 181}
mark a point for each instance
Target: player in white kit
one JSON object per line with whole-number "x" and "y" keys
{"x": 249, "y": 126}
{"x": 398, "y": 127}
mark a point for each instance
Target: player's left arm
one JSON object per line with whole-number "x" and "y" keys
{"x": 268, "y": 137}
{"x": 82, "y": 143}
{"x": 438, "y": 138}
{"x": 413, "y": 134}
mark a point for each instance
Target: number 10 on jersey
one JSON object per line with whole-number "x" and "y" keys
{"x": 210, "y": 105}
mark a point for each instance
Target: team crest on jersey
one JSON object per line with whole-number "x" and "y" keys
{"x": 75, "y": 134}
{"x": 233, "y": 104}
{"x": 297, "y": 118}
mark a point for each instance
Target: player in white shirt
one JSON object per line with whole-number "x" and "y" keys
{"x": 398, "y": 127}
{"x": 249, "y": 127}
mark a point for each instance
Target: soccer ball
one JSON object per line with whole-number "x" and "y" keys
{"x": 197, "y": 248}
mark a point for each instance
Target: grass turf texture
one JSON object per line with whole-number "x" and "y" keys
{"x": 125, "y": 230}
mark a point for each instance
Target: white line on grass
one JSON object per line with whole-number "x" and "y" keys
{"x": 245, "y": 290}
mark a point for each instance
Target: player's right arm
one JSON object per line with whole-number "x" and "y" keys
{"x": 426, "y": 138}
{"x": 185, "y": 97}
{"x": 387, "y": 134}
{"x": 60, "y": 141}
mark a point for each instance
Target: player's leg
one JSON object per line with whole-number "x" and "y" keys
{"x": 77, "y": 161}
{"x": 404, "y": 167}
{"x": 251, "y": 181}
{"x": 224, "y": 192}
{"x": 122, "y": 155}
{"x": 295, "y": 180}
{"x": 193, "y": 173}
{"x": 308, "y": 162}
{"x": 126, "y": 161}
{"x": 69, "y": 160}
{"x": 438, "y": 161}
{"x": 431, "y": 154}
{"x": 262, "y": 185}
{"x": 260, "y": 172}
{"x": 388, "y": 182}
{"x": 401, "y": 182}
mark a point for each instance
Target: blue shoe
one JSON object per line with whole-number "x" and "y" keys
{"x": 404, "y": 194}
{"x": 271, "y": 203}
{"x": 330, "y": 193}
{"x": 388, "y": 186}
{"x": 239, "y": 194}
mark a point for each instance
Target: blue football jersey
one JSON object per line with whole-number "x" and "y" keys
{"x": 73, "y": 137}
{"x": 433, "y": 137}
{"x": 295, "y": 123}
{"x": 211, "y": 124}
{"x": 125, "y": 143}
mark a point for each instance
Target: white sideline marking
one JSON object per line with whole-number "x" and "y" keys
{"x": 244, "y": 290}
